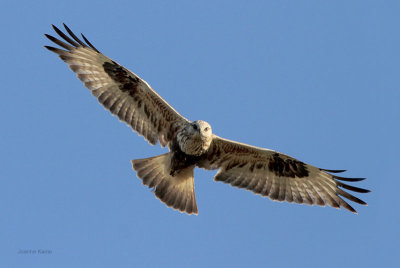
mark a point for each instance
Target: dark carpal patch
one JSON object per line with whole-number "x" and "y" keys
{"x": 126, "y": 81}
{"x": 287, "y": 167}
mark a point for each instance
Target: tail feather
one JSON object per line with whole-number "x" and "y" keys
{"x": 175, "y": 191}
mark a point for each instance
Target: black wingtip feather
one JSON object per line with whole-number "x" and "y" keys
{"x": 350, "y": 208}
{"x": 70, "y": 44}
{"x": 350, "y": 197}
{"x": 49, "y": 48}
{"x": 59, "y": 42}
{"x": 348, "y": 179}
{"x": 90, "y": 44}
{"x": 65, "y": 37}
{"x": 352, "y": 188}
{"x": 56, "y": 50}
{"x": 74, "y": 36}
{"x": 333, "y": 170}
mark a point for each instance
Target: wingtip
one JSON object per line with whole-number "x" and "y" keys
{"x": 350, "y": 208}
{"x": 66, "y": 27}
{"x": 90, "y": 44}
{"x": 54, "y": 27}
{"x": 353, "y": 188}
{"x": 333, "y": 170}
{"x": 347, "y": 179}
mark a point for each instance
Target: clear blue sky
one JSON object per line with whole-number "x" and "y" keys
{"x": 318, "y": 80}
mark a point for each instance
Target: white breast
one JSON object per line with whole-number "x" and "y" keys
{"x": 192, "y": 145}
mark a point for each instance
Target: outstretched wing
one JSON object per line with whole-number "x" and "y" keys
{"x": 278, "y": 176}
{"x": 118, "y": 89}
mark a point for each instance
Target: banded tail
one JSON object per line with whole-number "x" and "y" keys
{"x": 175, "y": 191}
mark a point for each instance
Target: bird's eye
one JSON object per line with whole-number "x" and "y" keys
{"x": 206, "y": 129}
{"x": 195, "y": 127}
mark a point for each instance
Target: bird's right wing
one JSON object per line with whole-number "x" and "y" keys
{"x": 119, "y": 90}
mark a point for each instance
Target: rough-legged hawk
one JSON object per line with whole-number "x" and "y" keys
{"x": 192, "y": 143}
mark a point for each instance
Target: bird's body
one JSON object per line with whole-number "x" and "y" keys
{"x": 192, "y": 144}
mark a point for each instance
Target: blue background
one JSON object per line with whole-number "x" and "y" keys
{"x": 318, "y": 80}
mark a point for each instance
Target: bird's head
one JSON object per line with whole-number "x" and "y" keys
{"x": 195, "y": 137}
{"x": 200, "y": 129}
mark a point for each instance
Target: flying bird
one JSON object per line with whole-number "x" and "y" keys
{"x": 192, "y": 143}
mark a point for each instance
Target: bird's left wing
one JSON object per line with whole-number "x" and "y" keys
{"x": 278, "y": 176}
{"x": 119, "y": 90}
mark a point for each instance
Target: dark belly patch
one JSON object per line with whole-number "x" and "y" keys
{"x": 180, "y": 160}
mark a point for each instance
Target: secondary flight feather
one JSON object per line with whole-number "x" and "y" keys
{"x": 192, "y": 144}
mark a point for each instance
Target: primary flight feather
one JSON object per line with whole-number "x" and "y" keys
{"x": 262, "y": 171}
